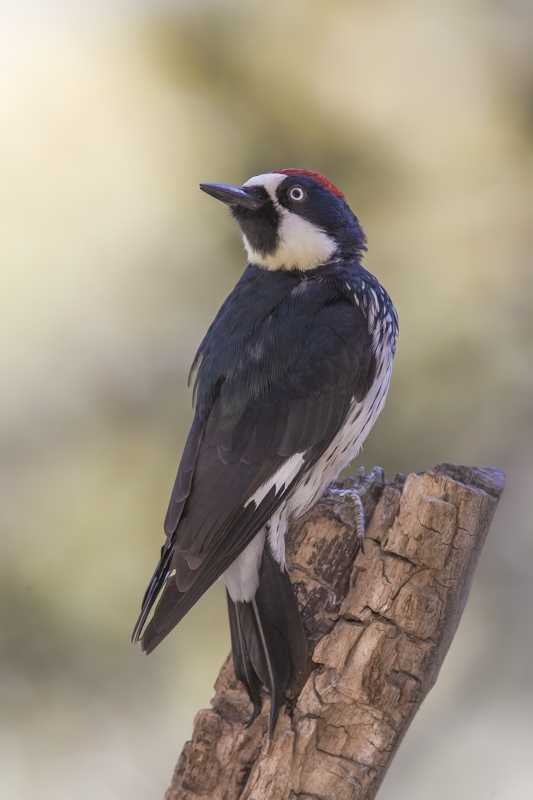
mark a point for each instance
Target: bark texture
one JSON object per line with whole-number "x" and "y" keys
{"x": 378, "y": 624}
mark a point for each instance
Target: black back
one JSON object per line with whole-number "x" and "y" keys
{"x": 287, "y": 355}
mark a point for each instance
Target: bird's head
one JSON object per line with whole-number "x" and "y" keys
{"x": 292, "y": 219}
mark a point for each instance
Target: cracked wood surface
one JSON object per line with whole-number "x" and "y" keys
{"x": 378, "y": 624}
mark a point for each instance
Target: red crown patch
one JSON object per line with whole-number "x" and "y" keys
{"x": 309, "y": 173}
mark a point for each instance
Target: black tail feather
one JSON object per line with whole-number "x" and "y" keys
{"x": 157, "y": 581}
{"x": 267, "y": 638}
{"x": 241, "y": 619}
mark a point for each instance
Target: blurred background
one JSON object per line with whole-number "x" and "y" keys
{"x": 112, "y": 266}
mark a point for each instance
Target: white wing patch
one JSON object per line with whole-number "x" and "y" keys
{"x": 242, "y": 577}
{"x": 282, "y": 478}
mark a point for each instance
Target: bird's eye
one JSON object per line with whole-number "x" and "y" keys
{"x": 297, "y": 193}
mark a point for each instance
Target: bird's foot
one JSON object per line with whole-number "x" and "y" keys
{"x": 348, "y": 508}
{"x": 376, "y": 475}
{"x": 346, "y": 502}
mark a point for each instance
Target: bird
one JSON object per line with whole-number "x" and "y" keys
{"x": 288, "y": 382}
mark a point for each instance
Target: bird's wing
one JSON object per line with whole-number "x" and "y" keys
{"x": 240, "y": 464}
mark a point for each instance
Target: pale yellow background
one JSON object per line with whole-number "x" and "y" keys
{"x": 112, "y": 266}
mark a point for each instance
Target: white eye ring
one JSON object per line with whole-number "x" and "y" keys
{"x": 297, "y": 193}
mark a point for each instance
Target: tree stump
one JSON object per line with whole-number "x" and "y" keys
{"x": 378, "y": 623}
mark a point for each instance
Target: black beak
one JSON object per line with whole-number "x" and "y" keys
{"x": 233, "y": 195}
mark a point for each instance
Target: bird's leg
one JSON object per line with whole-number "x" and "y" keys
{"x": 348, "y": 508}
{"x": 347, "y": 504}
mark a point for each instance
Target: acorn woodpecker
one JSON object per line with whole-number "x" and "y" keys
{"x": 290, "y": 378}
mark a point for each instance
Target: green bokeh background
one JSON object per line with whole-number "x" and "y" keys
{"x": 112, "y": 266}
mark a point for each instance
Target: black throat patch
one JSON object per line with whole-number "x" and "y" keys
{"x": 260, "y": 227}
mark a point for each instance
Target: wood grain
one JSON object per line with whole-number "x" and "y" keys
{"x": 378, "y": 624}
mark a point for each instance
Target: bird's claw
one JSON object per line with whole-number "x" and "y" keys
{"x": 348, "y": 508}
{"x": 376, "y": 475}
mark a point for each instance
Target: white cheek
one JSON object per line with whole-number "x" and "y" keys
{"x": 301, "y": 245}
{"x": 253, "y": 256}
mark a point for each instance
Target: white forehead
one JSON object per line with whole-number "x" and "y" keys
{"x": 270, "y": 181}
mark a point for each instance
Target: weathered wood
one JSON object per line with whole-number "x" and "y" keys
{"x": 379, "y": 625}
